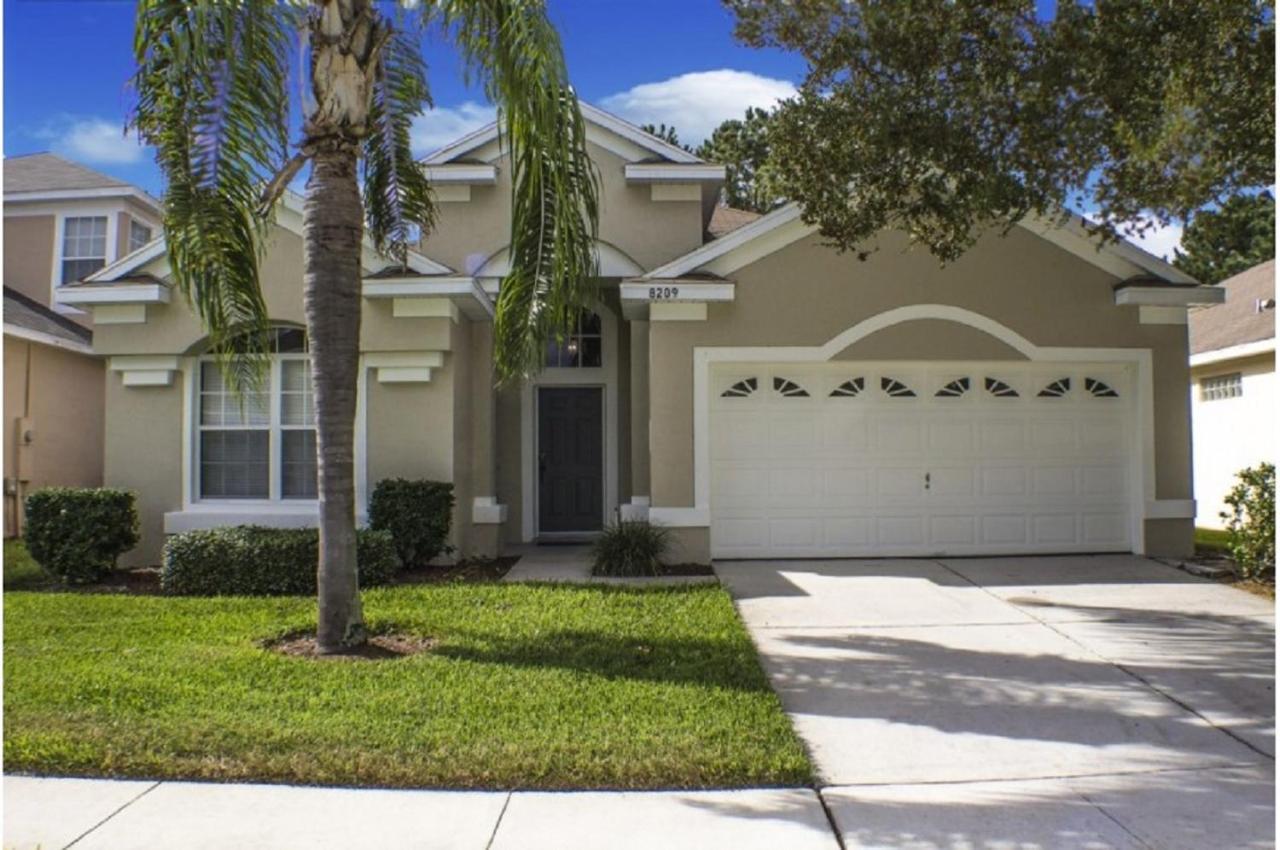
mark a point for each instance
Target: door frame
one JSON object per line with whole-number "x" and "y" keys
{"x": 605, "y": 377}
{"x": 1141, "y": 466}
{"x": 538, "y": 533}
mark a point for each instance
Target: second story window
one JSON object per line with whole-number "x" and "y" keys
{"x": 139, "y": 234}
{"x": 84, "y": 247}
{"x": 581, "y": 349}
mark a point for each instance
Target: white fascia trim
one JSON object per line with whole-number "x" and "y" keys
{"x": 205, "y": 515}
{"x": 1122, "y": 258}
{"x": 1169, "y": 296}
{"x": 649, "y": 172}
{"x": 465, "y": 290}
{"x": 486, "y": 134}
{"x": 121, "y": 293}
{"x": 1245, "y": 349}
{"x": 462, "y": 172}
{"x": 699, "y": 257}
{"x": 129, "y": 262}
{"x": 76, "y": 194}
{"x": 46, "y": 339}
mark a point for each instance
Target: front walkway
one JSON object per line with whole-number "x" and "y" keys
{"x": 1099, "y": 702}
{"x": 98, "y": 814}
{"x": 571, "y": 563}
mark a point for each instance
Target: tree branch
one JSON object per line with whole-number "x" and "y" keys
{"x": 276, "y": 186}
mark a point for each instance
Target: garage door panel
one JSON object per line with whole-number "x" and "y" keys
{"x": 845, "y": 475}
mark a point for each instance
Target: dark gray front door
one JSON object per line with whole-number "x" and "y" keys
{"x": 570, "y": 459}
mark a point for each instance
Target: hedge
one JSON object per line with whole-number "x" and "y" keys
{"x": 249, "y": 560}
{"x": 418, "y": 515}
{"x": 77, "y": 533}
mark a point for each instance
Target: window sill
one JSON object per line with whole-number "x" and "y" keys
{"x": 303, "y": 514}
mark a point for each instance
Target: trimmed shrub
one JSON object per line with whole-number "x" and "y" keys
{"x": 630, "y": 548}
{"x": 77, "y": 533}
{"x": 249, "y": 560}
{"x": 1252, "y": 522}
{"x": 418, "y": 515}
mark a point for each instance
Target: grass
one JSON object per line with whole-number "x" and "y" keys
{"x": 20, "y": 571}
{"x": 1213, "y": 541}
{"x": 528, "y": 686}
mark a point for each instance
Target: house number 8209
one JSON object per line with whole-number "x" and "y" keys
{"x": 663, "y": 293}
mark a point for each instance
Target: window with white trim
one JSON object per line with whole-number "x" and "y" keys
{"x": 139, "y": 235}
{"x": 581, "y": 349}
{"x": 84, "y": 246}
{"x": 258, "y": 445}
{"x": 1221, "y": 387}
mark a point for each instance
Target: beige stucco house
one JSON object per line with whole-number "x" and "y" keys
{"x": 756, "y": 391}
{"x": 62, "y": 221}
{"x": 1233, "y": 386}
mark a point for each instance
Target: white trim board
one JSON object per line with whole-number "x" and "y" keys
{"x": 50, "y": 340}
{"x": 1234, "y": 352}
{"x": 591, "y": 114}
{"x": 1142, "y": 464}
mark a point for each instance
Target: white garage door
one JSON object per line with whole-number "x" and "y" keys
{"x": 821, "y": 460}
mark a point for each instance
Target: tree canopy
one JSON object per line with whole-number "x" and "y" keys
{"x": 943, "y": 118}
{"x": 1219, "y": 243}
{"x": 742, "y": 146}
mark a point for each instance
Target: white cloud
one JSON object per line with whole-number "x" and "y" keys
{"x": 91, "y": 140}
{"x": 696, "y": 103}
{"x": 1159, "y": 240}
{"x": 438, "y": 127}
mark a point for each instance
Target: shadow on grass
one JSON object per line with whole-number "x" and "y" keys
{"x": 704, "y": 662}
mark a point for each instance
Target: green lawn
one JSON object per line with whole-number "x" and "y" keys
{"x": 1213, "y": 541}
{"x": 529, "y": 686}
{"x": 19, "y": 570}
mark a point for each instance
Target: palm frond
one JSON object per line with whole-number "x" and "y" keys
{"x": 396, "y": 193}
{"x": 211, "y": 98}
{"x": 513, "y": 48}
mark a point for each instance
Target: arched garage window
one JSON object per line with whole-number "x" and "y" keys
{"x": 261, "y": 445}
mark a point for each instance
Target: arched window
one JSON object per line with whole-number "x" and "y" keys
{"x": 581, "y": 349}
{"x": 261, "y": 445}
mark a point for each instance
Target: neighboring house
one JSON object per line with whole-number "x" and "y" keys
{"x": 62, "y": 221}
{"x": 1233, "y": 386}
{"x": 759, "y": 393}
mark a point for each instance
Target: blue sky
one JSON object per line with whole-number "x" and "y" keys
{"x": 66, "y": 63}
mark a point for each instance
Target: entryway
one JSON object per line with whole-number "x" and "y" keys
{"x": 570, "y": 460}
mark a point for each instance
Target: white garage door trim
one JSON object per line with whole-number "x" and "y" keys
{"x": 1142, "y": 462}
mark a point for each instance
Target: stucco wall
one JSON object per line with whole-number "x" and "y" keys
{"x": 806, "y": 294}
{"x": 143, "y": 453}
{"x": 28, "y": 254}
{"x": 61, "y": 393}
{"x": 1232, "y": 433}
{"x": 650, "y": 232}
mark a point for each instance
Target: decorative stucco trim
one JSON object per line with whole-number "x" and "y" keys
{"x": 485, "y": 510}
{"x": 404, "y": 367}
{"x": 1171, "y": 509}
{"x": 114, "y": 293}
{"x": 1141, "y": 466}
{"x": 145, "y": 370}
{"x": 465, "y": 292}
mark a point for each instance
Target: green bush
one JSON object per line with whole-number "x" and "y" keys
{"x": 630, "y": 548}
{"x": 249, "y": 560}
{"x": 418, "y": 515}
{"x": 77, "y": 533}
{"x": 1252, "y": 522}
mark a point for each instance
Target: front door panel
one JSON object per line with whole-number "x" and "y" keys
{"x": 570, "y": 459}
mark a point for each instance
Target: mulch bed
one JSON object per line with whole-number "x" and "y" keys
{"x": 380, "y": 647}
{"x": 467, "y": 572}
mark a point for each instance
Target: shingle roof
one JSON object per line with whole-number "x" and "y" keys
{"x": 48, "y": 172}
{"x": 1238, "y": 319}
{"x": 725, "y": 219}
{"x": 26, "y": 313}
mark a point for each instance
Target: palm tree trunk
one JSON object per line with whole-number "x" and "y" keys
{"x": 333, "y": 224}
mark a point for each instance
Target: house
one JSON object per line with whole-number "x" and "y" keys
{"x": 753, "y": 389}
{"x": 62, "y": 221}
{"x": 1233, "y": 386}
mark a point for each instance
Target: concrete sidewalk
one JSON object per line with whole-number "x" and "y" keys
{"x": 571, "y": 564}
{"x": 100, "y": 814}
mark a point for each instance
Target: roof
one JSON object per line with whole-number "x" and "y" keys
{"x": 725, "y": 219}
{"x": 1237, "y": 320}
{"x": 46, "y": 172}
{"x": 27, "y": 314}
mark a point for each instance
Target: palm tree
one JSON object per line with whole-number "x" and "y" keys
{"x": 213, "y": 97}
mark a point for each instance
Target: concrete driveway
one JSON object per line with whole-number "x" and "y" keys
{"x": 1029, "y": 702}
